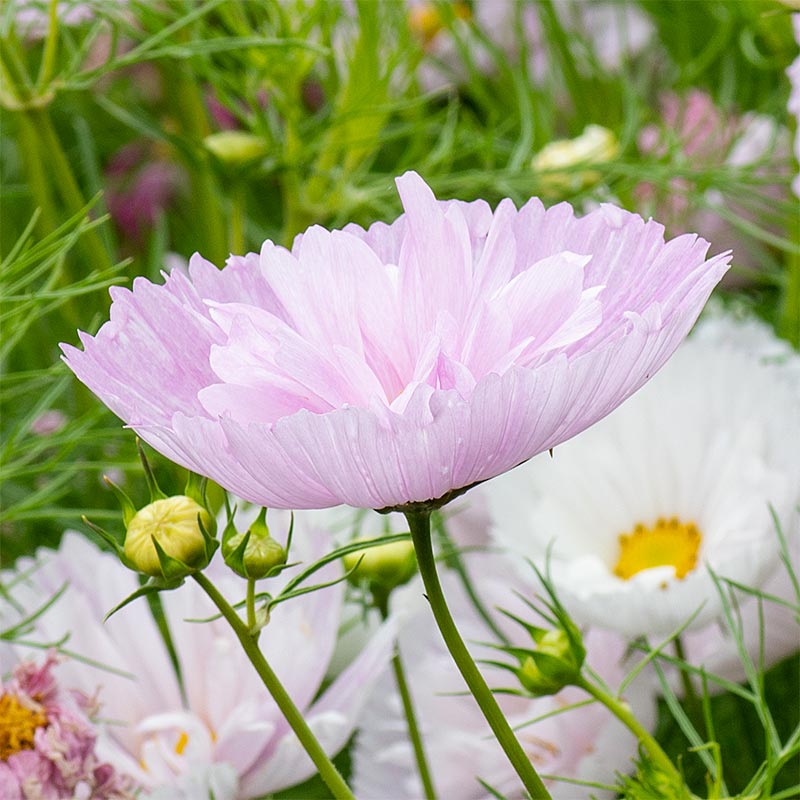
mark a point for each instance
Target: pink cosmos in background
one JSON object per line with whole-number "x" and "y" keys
{"x": 48, "y": 743}
{"x": 400, "y": 363}
{"x": 699, "y": 135}
{"x": 228, "y": 736}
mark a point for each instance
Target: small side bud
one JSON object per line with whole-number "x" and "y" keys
{"x": 169, "y": 536}
{"x": 555, "y": 662}
{"x": 236, "y": 148}
{"x": 384, "y": 567}
{"x": 253, "y": 554}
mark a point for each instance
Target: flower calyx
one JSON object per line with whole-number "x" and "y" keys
{"x": 254, "y": 554}
{"x": 557, "y": 657}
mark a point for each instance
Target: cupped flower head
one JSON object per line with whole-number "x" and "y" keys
{"x": 228, "y": 737}
{"x": 679, "y": 479}
{"x": 402, "y": 363}
{"x": 48, "y": 743}
{"x": 584, "y": 743}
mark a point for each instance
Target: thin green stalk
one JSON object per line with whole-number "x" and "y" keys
{"x": 623, "y": 713}
{"x": 420, "y": 525}
{"x": 192, "y": 113}
{"x": 37, "y": 179}
{"x": 411, "y": 717}
{"x": 64, "y": 179}
{"x": 693, "y": 704}
{"x": 50, "y": 48}
{"x": 324, "y": 765}
{"x": 251, "y": 607}
{"x": 237, "y": 244}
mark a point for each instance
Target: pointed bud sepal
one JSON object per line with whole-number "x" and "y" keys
{"x": 383, "y": 567}
{"x": 254, "y": 554}
{"x": 556, "y": 659}
{"x": 170, "y": 538}
{"x": 650, "y": 782}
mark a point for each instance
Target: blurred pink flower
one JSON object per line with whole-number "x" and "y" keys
{"x": 400, "y": 363}
{"x": 794, "y": 99}
{"x": 140, "y": 184}
{"x": 223, "y": 733}
{"x": 584, "y": 743}
{"x": 47, "y": 742}
{"x": 48, "y": 422}
{"x": 698, "y": 135}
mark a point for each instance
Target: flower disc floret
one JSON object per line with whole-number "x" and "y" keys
{"x": 401, "y": 363}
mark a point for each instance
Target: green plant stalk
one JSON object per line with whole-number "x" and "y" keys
{"x": 327, "y": 771}
{"x": 789, "y": 322}
{"x": 33, "y": 160}
{"x": 64, "y": 180}
{"x": 410, "y": 715}
{"x": 192, "y": 113}
{"x": 420, "y": 525}
{"x": 251, "y": 607}
{"x": 623, "y": 713}
{"x": 237, "y": 243}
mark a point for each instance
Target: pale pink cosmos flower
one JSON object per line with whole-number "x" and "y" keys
{"x": 223, "y": 734}
{"x": 48, "y": 743}
{"x": 401, "y": 363}
{"x": 585, "y": 743}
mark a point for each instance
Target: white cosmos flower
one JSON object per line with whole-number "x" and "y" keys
{"x": 679, "y": 478}
{"x": 228, "y": 737}
{"x": 584, "y": 743}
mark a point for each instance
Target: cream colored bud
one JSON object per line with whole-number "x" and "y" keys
{"x": 596, "y": 145}
{"x": 235, "y": 148}
{"x": 173, "y": 523}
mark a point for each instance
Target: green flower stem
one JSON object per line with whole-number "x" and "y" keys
{"x": 420, "y": 525}
{"x": 237, "y": 244}
{"x": 64, "y": 179}
{"x": 408, "y": 710}
{"x": 34, "y": 163}
{"x": 324, "y": 765}
{"x": 693, "y": 705}
{"x": 251, "y": 607}
{"x": 623, "y": 713}
{"x": 191, "y": 110}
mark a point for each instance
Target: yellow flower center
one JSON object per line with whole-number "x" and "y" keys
{"x": 18, "y": 724}
{"x": 668, "y": 543}
{"x": 425, "y": 19}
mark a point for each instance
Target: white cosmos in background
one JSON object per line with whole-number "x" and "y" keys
{"x": 228, "y": 737}
{"x": 585, "y": 743}
{"x": 711, "y": 441}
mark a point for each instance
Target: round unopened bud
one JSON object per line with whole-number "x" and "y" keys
{"x": 173, "y": 523}
{"x": 596, "y": 145}
{"x": 235, "y": 148}
{"x": 384, "y": 566}
{"x": 261, "y": 554}
{"x": 553, "y": 665}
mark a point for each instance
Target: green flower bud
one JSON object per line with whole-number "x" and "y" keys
{"x": 385, "y": 566}
{"x": 174, "y": 524}
{"x": 554, "y": 663}
{"x": 254, "y": 553}
{"x": 235, "y": 148}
